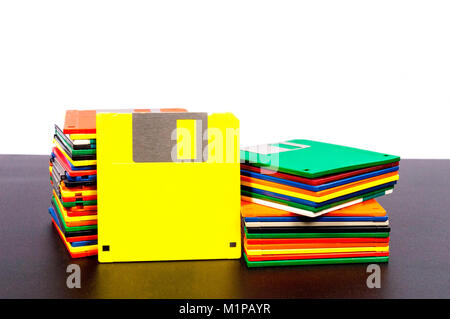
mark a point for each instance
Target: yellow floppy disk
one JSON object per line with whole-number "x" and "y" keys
{"x": 168, "y": 186}
{"x": 82, "y": 136}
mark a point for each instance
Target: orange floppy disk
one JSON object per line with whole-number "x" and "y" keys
{"x": 83, "y": 121}
{"x": 369, "y": 208}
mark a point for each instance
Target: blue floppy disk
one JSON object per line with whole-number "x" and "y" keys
{"x": 323, "y": 186}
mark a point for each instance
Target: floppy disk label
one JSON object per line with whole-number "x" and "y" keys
{"x": 268, "y": 154}
{"x": 265, "y": 149}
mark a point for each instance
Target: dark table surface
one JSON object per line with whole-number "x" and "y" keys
{"x": 33, "y": 260}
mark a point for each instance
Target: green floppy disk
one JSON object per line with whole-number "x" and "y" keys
{"x": 314, "y": 235}
{"x": 312, "y": 159}
{"x": 323, "y": 261}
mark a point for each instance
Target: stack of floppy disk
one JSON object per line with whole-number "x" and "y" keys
{"x": 306, "y": 202}
{"x": 73, "y": 176}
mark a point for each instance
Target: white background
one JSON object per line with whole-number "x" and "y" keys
{"x": 370, "y": 74}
